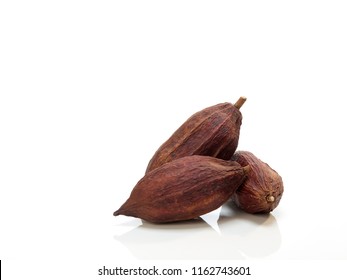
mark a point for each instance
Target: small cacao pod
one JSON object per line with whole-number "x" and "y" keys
{"x": 262, "y": 190}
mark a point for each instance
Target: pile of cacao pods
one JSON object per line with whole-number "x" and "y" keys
{"x": 198, "y": 169}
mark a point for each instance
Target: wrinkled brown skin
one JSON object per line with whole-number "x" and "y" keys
{"x": 261, "y": 183}
{"x": 183, "y": 189}
{"x": 213, "y": 131}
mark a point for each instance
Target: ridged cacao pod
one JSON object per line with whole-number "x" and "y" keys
{"x": 213, "y": 131}
{"x": 262, "y": 190}
{"x": 183, "y": 189}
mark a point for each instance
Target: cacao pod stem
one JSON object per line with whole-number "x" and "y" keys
{"x": 246, "y": 169}
{"x": 240, "y": 102}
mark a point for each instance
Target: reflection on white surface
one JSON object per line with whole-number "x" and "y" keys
{"x": 255, "y": 236}
{"x": 227, "y": 233}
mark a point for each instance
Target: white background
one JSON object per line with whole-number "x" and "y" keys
{"x": 90, "y": 89}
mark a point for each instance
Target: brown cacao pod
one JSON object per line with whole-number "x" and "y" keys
{"x": 262, "y": 190}
{"x": 183, "y": 189}
{"x": 213, "y": 131}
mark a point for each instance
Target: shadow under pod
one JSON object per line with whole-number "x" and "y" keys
{"x": 240, "y": 236}
{"x": 174, "y": 241}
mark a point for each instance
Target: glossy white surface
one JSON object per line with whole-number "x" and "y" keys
{"x": 235, "y": 235}
{"x": 90, "y": 89}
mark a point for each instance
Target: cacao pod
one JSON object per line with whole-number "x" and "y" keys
{"x": 262, "y": 190}
{"x": 213, "y": 131}
{"x": 183, "y": 189}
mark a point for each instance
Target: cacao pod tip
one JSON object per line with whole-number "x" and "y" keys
{"x": 240, "y": 102}
{"x": 246, "y": 169}
{"x": 117, "y": 213}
